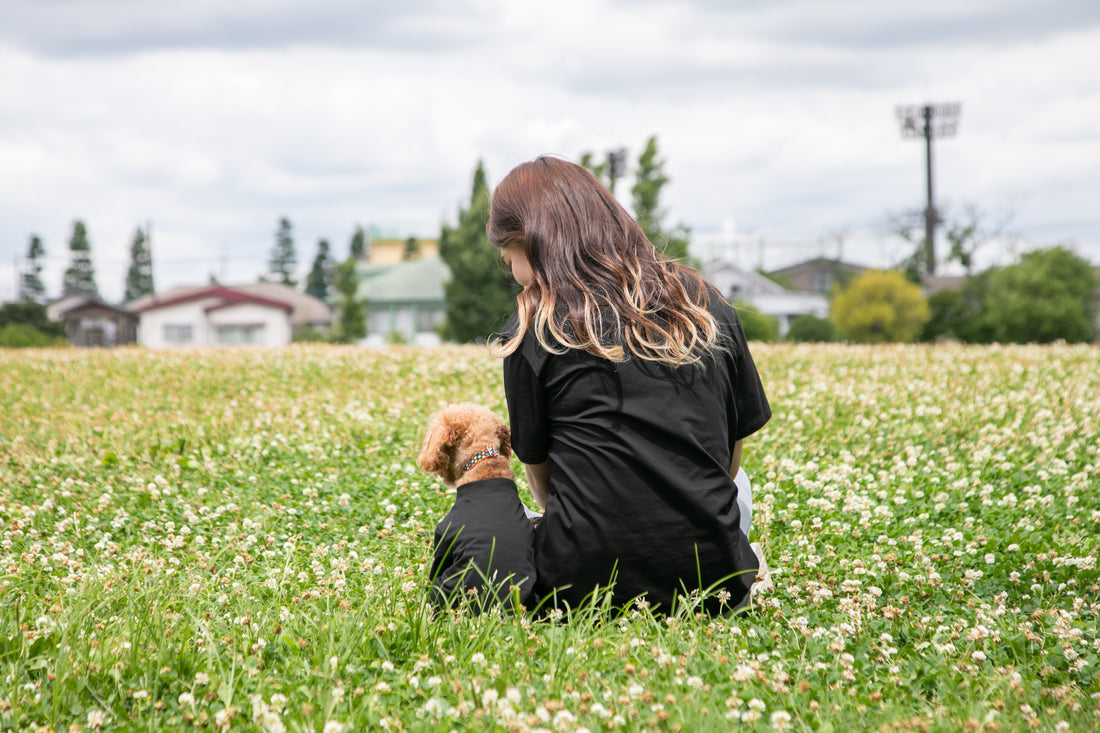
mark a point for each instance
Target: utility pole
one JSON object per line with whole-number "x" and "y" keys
{"x": 928, "y": 121}
{"x": 616, "y": 167}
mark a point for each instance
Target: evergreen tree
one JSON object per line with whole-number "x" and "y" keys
{"x": 320, "y": 278}
{"x": 412, "y": 249}
{"x": 358, "y": 244}
{"x": 649, "y": 180}
{"x": 479, "y": 296}
{"x": 351, "y": 319}
{"x": 283, "y": 258}
{"x": 139, "y": 278}
{"x": 31, "y": 287}
{"x": 80, "y": 276}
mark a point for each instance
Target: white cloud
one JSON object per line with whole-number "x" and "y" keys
{"x": 213, "y": 120}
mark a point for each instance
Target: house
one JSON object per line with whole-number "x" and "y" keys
{"x": 764, "y": 294}
{"x": 91, "y": 321}
{"x": 269, "y": 314}
{"x": 392, "y": 251}
{"x": 817, "y": 275}
{"x": 404, "y": 301}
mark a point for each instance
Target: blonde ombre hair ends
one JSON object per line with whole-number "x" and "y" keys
{"x": 598, "y": 284}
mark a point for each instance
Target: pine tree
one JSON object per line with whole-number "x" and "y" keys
{"x": 80, "y": 276}
{"x": 351, "y": 319}
{"x": 319, "y": 281}
{"x": 411, "y": 250}
{"x": 283, "y": 258}
{"x": 139, "y": 278}
{"x": 649, "y": 180}
{"x": 358, "y": 244}
{"x": 31, "y": 287}
{"x": 479, "y": 295}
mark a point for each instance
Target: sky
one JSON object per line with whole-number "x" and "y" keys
{"x": 208, "y": 121}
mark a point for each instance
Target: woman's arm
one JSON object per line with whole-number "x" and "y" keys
{"x": 538, "y": 480}
{"x": 735, "y": 462}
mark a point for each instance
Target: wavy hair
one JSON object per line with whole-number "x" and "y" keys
{"x": 598, "y": 284}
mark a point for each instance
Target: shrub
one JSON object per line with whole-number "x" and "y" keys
{"x": 757, "y": 325}
{"x": 880, "y": 307}
{"x": 810, "y": 328}
{"x": 24, "y": 335}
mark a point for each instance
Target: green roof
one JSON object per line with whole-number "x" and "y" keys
{"x": 415, "y": 281}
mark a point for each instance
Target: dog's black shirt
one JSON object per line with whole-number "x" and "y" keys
{"x": 640, "y": 452}
{"x": 485, "y": 543}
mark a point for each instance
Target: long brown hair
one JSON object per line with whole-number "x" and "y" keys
{"x": 597, "y": 283}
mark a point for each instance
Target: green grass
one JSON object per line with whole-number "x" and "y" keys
{"x": 238, "y": 540}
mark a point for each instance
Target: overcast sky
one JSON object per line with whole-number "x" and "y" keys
{"x": 776, "y": 118}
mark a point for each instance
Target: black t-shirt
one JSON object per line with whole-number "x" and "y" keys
{"x": 640, "y": 455}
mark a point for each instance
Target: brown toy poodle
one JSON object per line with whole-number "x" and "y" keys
{"x": 484, "y": 547}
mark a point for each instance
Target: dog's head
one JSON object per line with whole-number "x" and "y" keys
{"x": 456, "y": 434}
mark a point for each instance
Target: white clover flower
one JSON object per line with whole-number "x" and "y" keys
{"x": 186, "y": 698}
{"x": 96, "y": 719}
{"x": 333, "y": 726}
{"x": 478, "y": 658}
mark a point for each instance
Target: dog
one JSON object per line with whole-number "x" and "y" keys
{"x": 484, "y": 548}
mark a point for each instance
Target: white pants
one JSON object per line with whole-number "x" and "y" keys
{"x": 744, "y": 500}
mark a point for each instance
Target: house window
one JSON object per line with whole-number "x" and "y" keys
{"x": 821, "y": 282}
{"x": 177, "y": 333}
{"x": 239, "y": 335}
{"x": 427, "y": 319}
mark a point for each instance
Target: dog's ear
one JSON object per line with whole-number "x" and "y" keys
{"x": 435, "y": 455}
{"x": 504, "y": 436}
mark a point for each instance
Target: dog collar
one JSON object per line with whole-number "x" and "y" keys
{"x": 480, "y": 456}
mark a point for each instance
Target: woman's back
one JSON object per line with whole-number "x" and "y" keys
{"x": 640, "y": 455}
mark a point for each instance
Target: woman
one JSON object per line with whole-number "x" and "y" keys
{"x": 630, "y": 388}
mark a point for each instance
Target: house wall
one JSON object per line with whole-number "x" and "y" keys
{"x": 249, "y": 324}
{"x": 189, "y": 324}
{"x": 411, "y": 323}
{"x": 788, "y": 306}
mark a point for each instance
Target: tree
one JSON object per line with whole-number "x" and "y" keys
{"x": 1048, "y": 296}
{"x": 283, "y": 258}
{"x": 30, "y": 285}
{"x": 412, "y": 249}
{"x": 80, "y": 276}
{"x": 139, "y": 278}
{"x": 321, "y": 275}
{"x": 649, "y": 180}
{"x": 358, "y": 244}
{"x": 479, "y": 296}
{"x": 26, "y": 323}
{"x": 351, "y": 319}
{"x": 880, "y": 306}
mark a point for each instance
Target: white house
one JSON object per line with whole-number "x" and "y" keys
{"x": 212, "y": 316}
{"x": 764, "y": 294}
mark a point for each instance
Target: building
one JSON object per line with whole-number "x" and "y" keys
{"x": 765, "y": 295}
{"x": 819, "y": 275}
{"x": 404, "y": 301}
{"x": 260, "y": 314}
{"x": 392, "y": 251}
{"x": 91, "y": 321}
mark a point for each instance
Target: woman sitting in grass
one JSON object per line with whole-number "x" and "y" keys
{"x": 630, "y": 389}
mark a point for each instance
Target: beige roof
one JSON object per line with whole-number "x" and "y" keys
{"x": 305, "y": 309}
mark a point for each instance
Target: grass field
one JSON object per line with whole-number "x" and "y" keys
{"x": 237, "y": 540}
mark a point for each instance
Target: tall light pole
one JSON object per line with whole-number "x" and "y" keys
{"x": 928, "y": 121}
